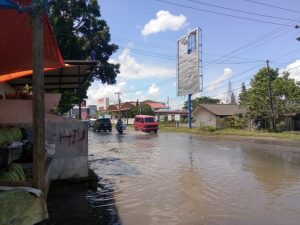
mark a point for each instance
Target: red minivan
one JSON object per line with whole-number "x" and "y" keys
{"x": 145, "y": 123}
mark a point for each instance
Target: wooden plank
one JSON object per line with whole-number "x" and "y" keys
{"x": 38, "y": 96}
{"x": 48, "y": 177}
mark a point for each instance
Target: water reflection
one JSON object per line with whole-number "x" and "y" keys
{"x": 271, "y": 169}
{"x": 183, "y": 179}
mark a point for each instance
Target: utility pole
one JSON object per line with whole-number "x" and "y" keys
{"x": 119, "y": 101}
{"x": 190, "y": 110}
{"x": 168, "y": 103}
{"x": 270, "y": 97}
{"x": 38, "y": 131}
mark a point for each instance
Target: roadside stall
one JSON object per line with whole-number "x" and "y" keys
{"x": 27, "y": 46}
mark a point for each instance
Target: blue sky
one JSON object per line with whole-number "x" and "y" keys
{"x": 233, "y": 48}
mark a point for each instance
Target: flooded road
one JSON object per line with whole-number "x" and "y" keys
{"x": 170, "y": 178}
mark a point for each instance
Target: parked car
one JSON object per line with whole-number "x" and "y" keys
{"x": 145, "y": 123}
{"x": 102, "y": 124}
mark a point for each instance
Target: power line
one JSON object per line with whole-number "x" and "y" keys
{"x": 143, "y": 43}
{"x": 289, "y": 53}
{"x": 255, "y": 42}
{"x": 248, "y": 70}
{"x": 273, "y": 6}
{"x": 234, "y": 90}
{"x": 225, "y": 14}
{"x": 251, "y": 45}
{"x": 150, "y": 44}
{"x": 248, "y": 84}
{"x": 171, "y": 58}
{"x": 242, "y": 11}
{"x": 251, "y": 75}
{"x": 289, "y": 70}
{"x": 151, "y": 54}
{"x": 233, "y": 77}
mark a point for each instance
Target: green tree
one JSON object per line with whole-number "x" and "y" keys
{"x": 79, "y": 31}
{"x": 201, "y": 100}
{"x": 141, "y": 108}
{"x": 285, "y": 96}
{"x": 242, "y": 93}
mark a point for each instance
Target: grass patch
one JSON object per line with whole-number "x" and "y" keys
{"x": 295, "y": 136}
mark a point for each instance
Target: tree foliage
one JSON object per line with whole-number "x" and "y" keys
{"x": 285, "y": 96}
{"x": 79, "y": 30}
{"x": 201, "y": 100}
{"x": 141, "y": 108}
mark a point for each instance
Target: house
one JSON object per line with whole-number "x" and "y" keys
{"x": 207, "y": 114}
{"x": 125, "y": 107}
{"x": 171, "y": 115}
{"x": 155, "y": 105}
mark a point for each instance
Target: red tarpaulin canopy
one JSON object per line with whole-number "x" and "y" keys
{"x": 16, "y": 44}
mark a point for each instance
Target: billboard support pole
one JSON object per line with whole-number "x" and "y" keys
{"x": 190, "y": 109}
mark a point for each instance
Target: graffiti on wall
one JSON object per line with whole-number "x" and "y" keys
{"x": 73, "y": 137}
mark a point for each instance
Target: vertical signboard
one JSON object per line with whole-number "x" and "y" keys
{"x": 188, "y": 63}
{"x": 103, "y": 103}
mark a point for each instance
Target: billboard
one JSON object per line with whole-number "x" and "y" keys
{"x": 103, "y": 103}
{"x": 188, "y": 63}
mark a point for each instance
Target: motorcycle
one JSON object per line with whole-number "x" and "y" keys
{"x": 120, "y": 128}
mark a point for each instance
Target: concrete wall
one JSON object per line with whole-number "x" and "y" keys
{"x": 69, "y": 136}
{"x": 204, "y": 117}
{"x": 71, "y": 148}
{"x": 20, "y": 110}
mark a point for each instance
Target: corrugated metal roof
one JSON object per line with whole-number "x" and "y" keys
{"x": 70, "y": 77}
{"x": 223, "y": 109}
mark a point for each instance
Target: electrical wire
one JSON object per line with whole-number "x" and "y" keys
{"x": 173, "y": 58}
{"x": 225, "y": 14}
{"x": 255, "y": 43}
{"x": 246, "y": 79}
{"x": 272, "y": 6}
{"x": 151, "y": 54}
{"x": 174, "y": 51}
{"x": 251, "y": 45}
{"x": 242, "y": 11}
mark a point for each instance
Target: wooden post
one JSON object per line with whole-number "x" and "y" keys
{"x": 79, "y": 109}
{"x": 38, "y": 106}
{"x": 271, "y": 99}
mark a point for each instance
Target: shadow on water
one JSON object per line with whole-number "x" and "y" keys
{"x": 88, "y": 202}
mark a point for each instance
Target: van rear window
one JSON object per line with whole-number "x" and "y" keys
{"x": 150, "y": 119}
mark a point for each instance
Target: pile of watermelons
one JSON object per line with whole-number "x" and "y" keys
{"x": 10, "y": 134}
{"x": 14, "y": 173}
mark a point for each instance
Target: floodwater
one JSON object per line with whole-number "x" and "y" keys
{"x": 170, "y": 178}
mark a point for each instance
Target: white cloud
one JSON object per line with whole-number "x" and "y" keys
{"x": 153, "y": 90}
{"x": 164, "y": 21}
{"x": 130, "y": 69}
{"x": 138, "y": 93}
{"x": 294, "y": 70}
{"x": 153, "y": 93}
{"x": 217, "y": 83}
{"x": 98, "y": 90}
